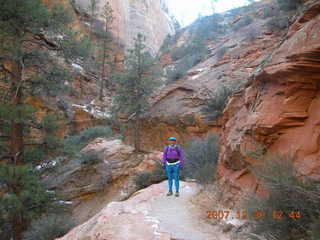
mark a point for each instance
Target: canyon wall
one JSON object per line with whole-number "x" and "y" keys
{"x": 275, "y": 108}
{"x": 177, "y": 107}
{"x": 278, "y": 111}
{"x": 82, "y": 107}
{"x": 149, "y": 17}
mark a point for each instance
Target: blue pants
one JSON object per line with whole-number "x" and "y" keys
{"x": 173, "y": 173}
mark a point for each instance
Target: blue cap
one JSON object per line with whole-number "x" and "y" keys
{"x": 172, "y": 139}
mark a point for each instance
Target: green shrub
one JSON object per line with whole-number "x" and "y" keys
{"x": 277, "y": 24}
{"x": 315, "y": 230}
{"x": 182, "y": 67}
{"x": 217, "y": 103}
{"x": 170, "y": 41}
{"x": 52, "y": 143}
{"x": 221, "y": 52}
{"x": 92, "y": 133}
{"x": 201, "y": 159}
{"x": 270, "y": 12}
{"x": 252, "y": 34}
{"x": 50, "y": 123}
{"x": 167, "y": 42}
{"x": 34, "y": 155}
{"x": 89, "y": 158}
{"x": 143, "y": 180}
{"x": 179, "y": 52}
{"x": 243, "y": 22}
{"x": 176, "y": 74}
{"x": 49, "y": 228}
{"x": 288, "y": 5}
{"x": 207, "y": 28}
{"x": 74, "y": 144}
{"x": 288, "y": 194}
{"x": 146, "y": 179}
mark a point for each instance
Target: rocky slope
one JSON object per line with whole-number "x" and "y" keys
{"x": 81, "y": 107}
{"x": 89, "y": 187}
{"x": 244, "y": 42}
{"x": 275, "y": 68}
{"x": 149, "y": 17}
{"x": 278, "y": 111}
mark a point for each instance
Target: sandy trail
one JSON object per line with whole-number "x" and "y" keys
{"x": 177, "y": 216}
{"x": 150, "y": 215}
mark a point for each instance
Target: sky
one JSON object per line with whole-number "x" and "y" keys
{"x": 186, "y": 11}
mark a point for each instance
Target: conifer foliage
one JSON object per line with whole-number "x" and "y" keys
{"x": 134, "y": 86}
{"x": 34, "y": 37}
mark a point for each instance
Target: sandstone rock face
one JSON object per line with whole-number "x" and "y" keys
{"x": 278, "y": 111}
{"x": 176, "y": 107}
{"x": 149, "y": 17}
{"x": 82, "y": 106}
{"x": 91, "y": 187}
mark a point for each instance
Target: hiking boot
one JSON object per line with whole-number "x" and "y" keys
{"x": 169, "y": 193}
{"x": 177, "y": 194}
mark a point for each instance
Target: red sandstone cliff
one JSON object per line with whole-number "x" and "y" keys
{"x": 279, "y": 110}
{"x": 177, "y": 106}
{"x": 82, "y": 106}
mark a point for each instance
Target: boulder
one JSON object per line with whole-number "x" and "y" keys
{"x": 90, "y": 187}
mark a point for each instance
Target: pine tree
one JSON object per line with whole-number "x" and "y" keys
{"x": 106, "y": 55}
{"x": 34, "y": 39}
{"x": 134, "y": 86}
{"x": 213, "y": 6}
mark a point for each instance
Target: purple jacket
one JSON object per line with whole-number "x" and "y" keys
{"x": 171, "y": 153}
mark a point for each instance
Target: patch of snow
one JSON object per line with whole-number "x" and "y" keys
{"x": 46, "y": 165}
{"x": 195, "y": 76}
{"x": 94, "y": 112}
{"x": 65, "y": 202}
{"x": 77, "y": 66}
{"x": 187, "y": 189}
{"x": 122, "y": 193}
{"x": 60, "y": 36}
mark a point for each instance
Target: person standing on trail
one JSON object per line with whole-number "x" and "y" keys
{"x": 173, "y": 161}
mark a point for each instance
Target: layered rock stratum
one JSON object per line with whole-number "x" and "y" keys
{"x": 150, "y": 215}
{"x": 149, "y": 17}
{"x": 88, "y": 188}
{"x": 278, "y": 111}
{"x": 177, "y": 107}
{"x": 274, "y": 109}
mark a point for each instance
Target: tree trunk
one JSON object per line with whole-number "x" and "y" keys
{"x": 137, "y": 140}
{"x": 16, "y": 133}
{"x": 18, "y": 227}
{"x": 103, "y": 72}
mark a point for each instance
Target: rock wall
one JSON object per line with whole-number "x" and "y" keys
{"x": 177, "y": 107}
{"x": 278, "y": 111}
{"x": 149, "y": 17}
{"x": 82, "y": 107}
{"x": 89, "y": 187}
